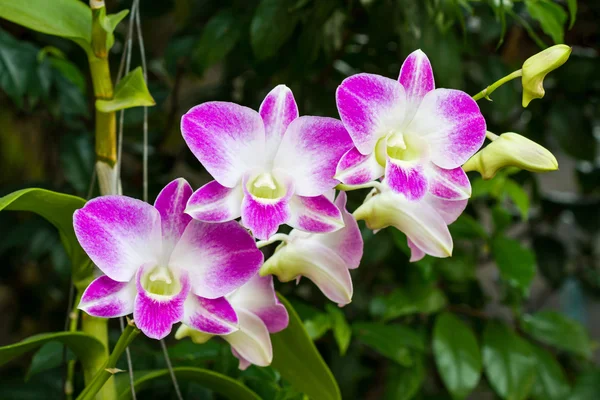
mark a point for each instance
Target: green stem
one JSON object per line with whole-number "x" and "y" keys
{"x": 488, "y": 90}
{"x": 74, "y": 319}
{"x": 105, "y": 374}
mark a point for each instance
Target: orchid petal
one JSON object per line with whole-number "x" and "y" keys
{"x": 213, "y": 316}
{"x": 449, "y": 210}
{"x": 119, "y": 234}
{"x": 244, "y": 364}
{"x": 214, "y": 202}
{"x": 309, "y": 153}
{"x": 106, "y": 298}
{"x": 315, "y": 214}
{"x": 277, "y": 110}
{"x": 406, "y": 177}
{"x": 170, "y": 203}
{"x": 416, "y": 76}
{"x": 219, "y": 258}
{"x": 452, "y": 125}
{"x": 252, "y": 340}
{"x": 451, "y": 184}
{"x": 416, "y": 253}
{"x": 355, "y": 168}
{"x": 370, "y": 106}
{"x": 228, "y": 139}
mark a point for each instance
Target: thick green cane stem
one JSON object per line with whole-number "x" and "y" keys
{"x": 488, "y": 90}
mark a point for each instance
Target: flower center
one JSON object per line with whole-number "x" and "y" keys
{"x": 398, "y": 146}
{"x": 161, "y": 281}
{"x": 266, "y": 186}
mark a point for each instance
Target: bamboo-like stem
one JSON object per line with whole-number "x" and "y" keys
{"x": 488, "y": 90}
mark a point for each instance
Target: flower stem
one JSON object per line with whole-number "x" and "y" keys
{"x": 281, "y": 237}
{"x": 369, "y": 185}
{"x": 105, "y": 373}
{"x": 488, "y": 90}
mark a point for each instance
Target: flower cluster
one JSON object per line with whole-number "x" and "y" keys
{"x": 186, "y": 259}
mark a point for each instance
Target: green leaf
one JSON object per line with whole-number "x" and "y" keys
{"x": 412, "y": 300}
{"x": 508, "y": 362}
{"x": 109, "y": 24}
{"x": 516, "y": 263}
{"x": 318, "y": 325}
{"x": 551, "y": 17}
{"x": 47, "y": 357}
{"x": 467, "y": 227}
{"x": 551, "y": 383}
{"x": 518, "y": 196}
{"x": 299, "y": 362}
{"x": 404, "y": 382}
{"x": 587, "y": 386}
{"x": 70, "y": 19}
{"x": 272, "y": 25}
{"x": 130, "y": 92}
{"x": 17, "y": 67}
{"x": 392, "y": 341}
{"x": 224, "y": 28}
{"x": 58, "y": 209}
{"x": 221, "y": 384}
{"x": 557, "y": 330}
{"x": 456, "y": 355}
{"x": 572, "y": 6}
{"x": 87, "y": 348}
{"x": 341, "y": 330}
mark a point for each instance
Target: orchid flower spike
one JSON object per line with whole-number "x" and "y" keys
{"x": 415, "y": 135}
{"x": 270, "y": 167}
{"x": 536, "y": 67}
{"x": 259, "y": 313}
{"x": 161, "y": 265}
{"x": 324, "y": 258}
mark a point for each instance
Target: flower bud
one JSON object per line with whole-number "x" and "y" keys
{"x": 511, "y": 150}
{"x": 537, "y": 66}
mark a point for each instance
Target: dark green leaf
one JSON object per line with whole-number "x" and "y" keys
{"x": 413, "y": 300}
{"x": 518, "y": 195}
{"x": 299, "y": 362}
{"x": 404, "y": 382}
{"x": 131, "y": 91}
{"x": 551, "y": 383}
{"x": 341, "y": 330}
{"x": 467, "y": 227}
{"x": 392, "y": 341}
{"x": 572, "y": 6}
{"x": 457, "y": 355}
{"x": 551, "y": 17}
{"x": 516, "y": 263}
{"x": 318, "y": 325}
{"x": 47, "y": 357}
{"x": 18, "y": 65}
{"x": 225, "y": 28}
{"x": 272, "y": 25}
{"x": 508, "y": 362}
{"x": 587, "y": 386}
{"x": 558, "y": 330}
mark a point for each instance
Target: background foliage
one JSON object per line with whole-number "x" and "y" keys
{"x": 511, "y": 315}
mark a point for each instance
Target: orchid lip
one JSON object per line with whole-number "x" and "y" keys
{"x": 266, "y": 186}
{"x": 161, "y": 282}
{"x": 400, "y": 147}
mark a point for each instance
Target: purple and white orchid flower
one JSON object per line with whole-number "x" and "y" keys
{"x": 270, "y": 167}
{"x": 324, "y": 258}
{"x": 259, "y": 313}
{"x": 414, "y": 135}
{"x": 161, "y": 265}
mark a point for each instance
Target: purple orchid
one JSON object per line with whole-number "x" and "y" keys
{"x": 161, "y": 265}
{"x": 270, "y": 167}
{"x": 259, "y": 313}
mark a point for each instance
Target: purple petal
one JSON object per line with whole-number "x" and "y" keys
{"x": 315, "y": 214}
{"x": 416, "y": 253}
{"x": 119, "y": 234}
{"x": 416, "y": 76}
{"x": 244, "y": 364}
{"x": 214, "y": 316}
{"x": 214, "y": 202}
{"x": 252, "y": 341}
{"x": 451, "y": 184}
{"x": 370, "y": 106}
{"x": 407, "y": 178}
{"x": 170, "y": 203}
{"x": 277, "y": 110}
{"x": 219, "y": 258}
{"x": 310, "y": 152}
{"x": 355, "y": 168}
{"x": 449, "y": 210}
{"x": 450, "y": 121}
{"x": 107, "y": 298}
{"x": 228, "y": 139}
{"x": 258, "y": 297}
{"x": 155, "y": 314}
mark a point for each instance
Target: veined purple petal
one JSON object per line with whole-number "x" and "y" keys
{"x": 214, "y": 316}
{"x": 315, "y": 214}
{"x": 228, "y": 139}
{"x": 370, "y": 106}
{"x": 416, "y": 253}
{"x": 155, "y": 314}
{"x": 219, "y": 258}
{"x": 355, "y": 168}
{"x": 407, "y": 178}
{"x": 277, "y": 110}
{"x": 310, "y": 152}
{"x": 451, "y": 184}
{"x": 451, "y": 123}
{"x": 416, "y": 76}
{"x": 106, "y": 298}
{"x": 252, "y": 341}
{"x": 170, "y": 203}
{"x": 119, "y": 234}
{"x": 214, "y": 202}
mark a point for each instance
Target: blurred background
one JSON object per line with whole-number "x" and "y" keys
{"x": 527, "y": 250}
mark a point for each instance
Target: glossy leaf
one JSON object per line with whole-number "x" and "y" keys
{"x": 299, "y": 362}
{"x": 551, "y": 383}
{"x": 404, "y": 382}
{"x": 393, "y": 341}
{"x": 47, "y": 357}
{"x": 508, "y": 362}
{"x": 412, "y": 300}
{"x": 572, "y": 6}
{"x": 551, "y": 17}
{"x": 518, "y": 196}
{"x": 130, "y": 92}
{"x": 516, "y": 263}
{"x": 271, "y": 27}
{"x": 457, "y": 355}
{"x": 219, "y": 383}
{"x": 17, "y": 67}
{"x": 341, "y": 330}
{"x": 318, "y": 325}
{"x": 557, "y": 330}
{"x": 587, "y": 386}
{"x": 224, "y": 28}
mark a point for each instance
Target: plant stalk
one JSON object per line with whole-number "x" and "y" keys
{"x": 488, "y": 90}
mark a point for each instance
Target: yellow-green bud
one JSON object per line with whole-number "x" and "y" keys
{"x": 511, "y": 150}
{"x": 537, "y": 66}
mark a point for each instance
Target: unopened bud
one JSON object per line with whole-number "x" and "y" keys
{"x": 511, "y": 150}
{"x": 537, "y": 66}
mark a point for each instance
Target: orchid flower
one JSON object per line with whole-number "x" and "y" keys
{"x": 270, "y": 167}
{"x": 259, "y": 313}
{"x": 161, "y": 265}
{"x": 408, "y": 131}
{"x": 324, "y": 258}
